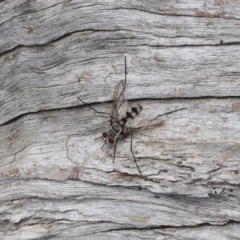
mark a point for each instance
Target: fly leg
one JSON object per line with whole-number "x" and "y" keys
{"x": 115, "y": 148}
{"x": 92, "y": 107}
{"x": 169, "y": 112}
{"x": 133, "y": 154}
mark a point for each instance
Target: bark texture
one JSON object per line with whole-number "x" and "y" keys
{"x": 55, "y": 180}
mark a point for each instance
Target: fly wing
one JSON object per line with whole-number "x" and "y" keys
{"x": 133, "y": 126}
{"x": 119, "y": 105}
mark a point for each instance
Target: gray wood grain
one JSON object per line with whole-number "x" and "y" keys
{"x": 77, "y": 209}
{"x": 56, "y": 180}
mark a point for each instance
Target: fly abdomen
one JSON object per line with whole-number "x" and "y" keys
{"x": 130, "y": 114}
{"x": 134, "y": 111}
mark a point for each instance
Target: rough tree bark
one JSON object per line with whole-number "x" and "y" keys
{"x": 56, "y": 182}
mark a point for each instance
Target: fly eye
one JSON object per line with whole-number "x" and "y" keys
{"x": 105, "y": 135}
{"x": 111, "y": 140}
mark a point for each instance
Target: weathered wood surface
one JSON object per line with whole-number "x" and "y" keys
{"x": 56, "y": 182}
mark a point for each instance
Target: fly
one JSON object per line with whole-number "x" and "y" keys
{"x": 122, "y": 120}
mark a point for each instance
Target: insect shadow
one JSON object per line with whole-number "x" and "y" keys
{"x": 122, "y": 119}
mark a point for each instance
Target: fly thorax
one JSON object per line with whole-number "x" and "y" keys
{"x": 115, "y": 130}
